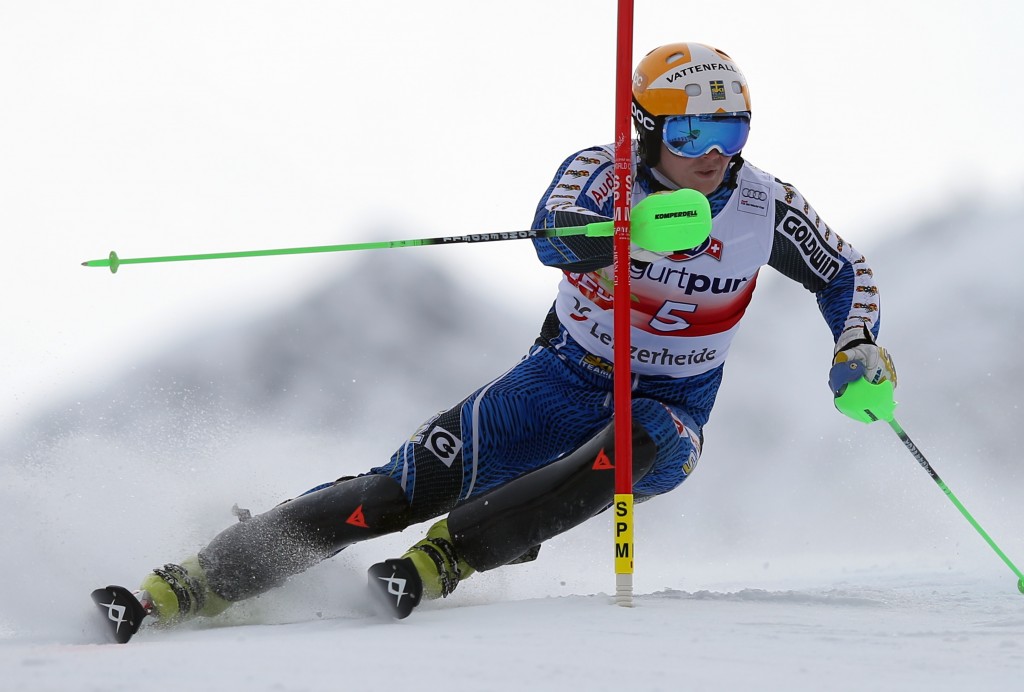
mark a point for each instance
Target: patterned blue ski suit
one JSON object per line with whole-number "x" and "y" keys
{"x": 685, "y": 310}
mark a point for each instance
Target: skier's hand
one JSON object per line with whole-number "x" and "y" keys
{"x": 862, "y": 377}
{"x": 857, "y": 344}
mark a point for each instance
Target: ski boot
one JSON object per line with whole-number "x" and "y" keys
{"x": 175, "y": 593}
{"x": 171, "y": 594}
{"x": 430, "y": 569}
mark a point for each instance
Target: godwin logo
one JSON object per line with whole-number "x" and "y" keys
{"x": 818, "y": 254}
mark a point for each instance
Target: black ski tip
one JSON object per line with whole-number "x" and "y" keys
{"x": 121, "y": 611}
{"x": 395, "y": 587}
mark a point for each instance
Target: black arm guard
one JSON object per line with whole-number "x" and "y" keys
{"x": 588, "y": 253}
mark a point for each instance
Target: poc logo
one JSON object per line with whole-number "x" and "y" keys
{"x": 642, "y": 119}
{"x": 444, "y": 445}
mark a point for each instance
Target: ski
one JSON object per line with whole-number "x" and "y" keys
{"x": 394, "y": 590}
{"x": 395, "y": 587}
{"x": 120, "y": 610}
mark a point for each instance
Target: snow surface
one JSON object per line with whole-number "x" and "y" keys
{"x": 879, "y": 630}
{"x": 807, "y": 552}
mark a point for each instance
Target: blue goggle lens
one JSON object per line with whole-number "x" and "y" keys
{"x": 696, "y": 135}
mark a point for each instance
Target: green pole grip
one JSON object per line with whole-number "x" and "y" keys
{"x": 664, "y": 221}
{"x": 859, "y": 399}
{"x": 669, "y": 221}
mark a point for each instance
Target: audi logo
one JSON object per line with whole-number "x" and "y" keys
{"x": 754, "y": 194}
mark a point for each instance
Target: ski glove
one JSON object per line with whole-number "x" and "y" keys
{"x": 862, "y": 377}
{"x": 857, "y": 344}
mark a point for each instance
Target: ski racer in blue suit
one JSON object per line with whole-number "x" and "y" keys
{"x": 514, "y": 463}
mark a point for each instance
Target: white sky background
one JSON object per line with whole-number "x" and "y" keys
{"x": 156, "y": 128}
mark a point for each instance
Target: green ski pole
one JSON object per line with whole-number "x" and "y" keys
{"x": 953, "y": 498}
{"x": 677, "y": 220}
{"x": 866, "y": 402}
{"x": 114, "y": 262}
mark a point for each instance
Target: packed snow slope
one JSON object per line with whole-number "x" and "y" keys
{"x": 807, "y": 552}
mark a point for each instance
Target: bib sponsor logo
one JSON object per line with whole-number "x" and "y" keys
{"x": 753, "y": 198}
{"x": 687, "y": 281}
{"x": 664, "y": 356}
{"x": 579, "y": 312}
{"x": 590, "y": 287}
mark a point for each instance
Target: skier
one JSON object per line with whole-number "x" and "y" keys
{"x": 512, "y": 465}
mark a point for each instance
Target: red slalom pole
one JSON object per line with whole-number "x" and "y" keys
{"x": 622, "y": 382}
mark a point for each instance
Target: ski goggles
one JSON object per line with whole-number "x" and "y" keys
{"x": 696, "y": 135}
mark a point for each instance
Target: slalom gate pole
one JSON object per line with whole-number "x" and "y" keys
{"x": 622, "y": 382}
{"x": 898, "y": 429}
{"x": 594, "y": 229}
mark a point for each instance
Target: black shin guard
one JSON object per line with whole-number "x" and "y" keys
{"x": 504, "y": 524}
{"x": 255, "y": 555}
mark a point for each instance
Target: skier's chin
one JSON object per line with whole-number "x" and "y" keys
{"x": 704, "y": 174}
{"x": 707, "y": 181}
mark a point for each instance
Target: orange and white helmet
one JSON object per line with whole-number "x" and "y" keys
{"x": 683, "y": 79}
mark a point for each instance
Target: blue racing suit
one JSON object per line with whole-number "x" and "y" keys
{"x": 685, "y": 310}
